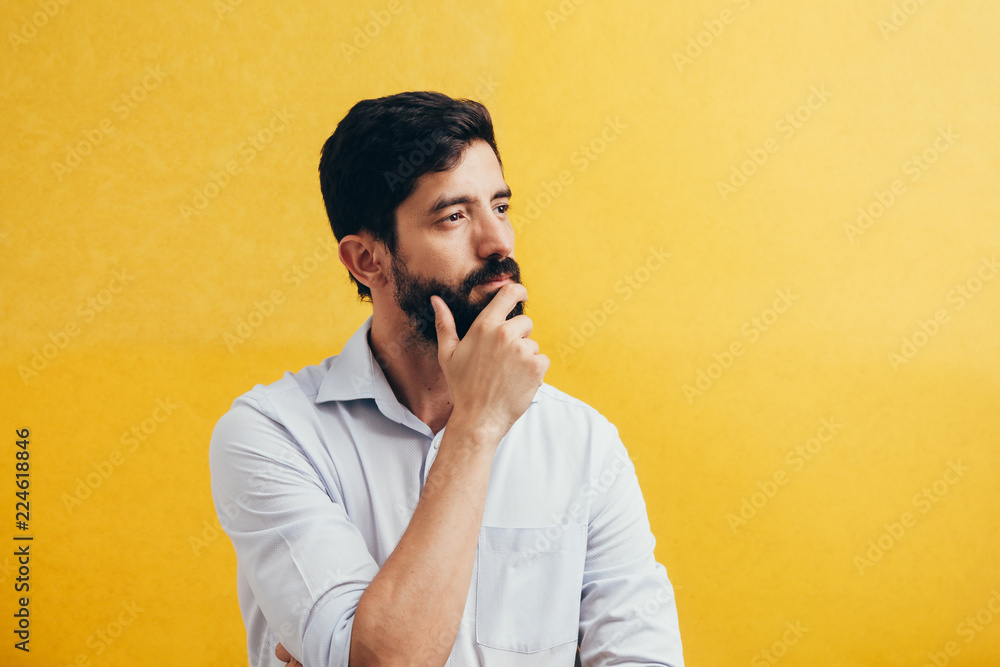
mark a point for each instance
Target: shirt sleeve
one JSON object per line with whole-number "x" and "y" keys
{"x": 628, "y": 615}
{"x": 304, "y": 560}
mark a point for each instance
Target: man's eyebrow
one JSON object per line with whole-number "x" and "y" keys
{"x": 446, "y": 201}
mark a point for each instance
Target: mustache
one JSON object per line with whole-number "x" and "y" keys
{"x": 492, "y": 270}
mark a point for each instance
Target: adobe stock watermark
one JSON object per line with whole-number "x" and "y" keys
{"x": 577, "y": 512}
{"x": 231, "y": 510}
{"x": 302, "y": 606}
{"x": 131, "y": 440}
{"x": 87, "y": 312}
{"x": 228, "y": 510}
{"x": 408, "y": 163}
{"x": 752, "y": 330}
{"x": 957, "y": 297}
{"x": 923, "y": 501}
{"x": 968, "y": 629}
{"x": 303, "y": 268}
{"x": 245, "y": 326}
{"x": 595, "y": 318}
{"x": 263, "y": 309}
{"x": 37, "y": 20}
{"x": 796, "y": 459}
{"x": 581, "y": 159}
{"x": 913, "y": 168}
{"x": 246, "y": 152}
{"x": 363, "y": 35}
{"x": 123, "y": 106}
{"x": 645, "y": 614}
{"x": 901, "y": 14}
{"x": 713, "y": 28}
{"x": 562, "y": 12}
{"x": 785, "y": 127}
{"x": 778, "y": 649}
{"x": 210, "y": 532}
{"x": 101, "y": 639}
{"x": 224, "y": 8}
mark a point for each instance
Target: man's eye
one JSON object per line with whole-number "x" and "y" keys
{"x": 453, "y": 217}
{"x": 502, "y": 208}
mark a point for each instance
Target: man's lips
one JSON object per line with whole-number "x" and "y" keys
{"x": 497, "y": 282}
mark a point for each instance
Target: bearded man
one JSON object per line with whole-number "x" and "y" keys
{"x": 424, "y": 497}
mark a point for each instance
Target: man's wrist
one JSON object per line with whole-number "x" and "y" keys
{"x": 482, "y": 433}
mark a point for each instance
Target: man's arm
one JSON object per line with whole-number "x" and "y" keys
{"x": 308, "y": 565}
{"x": 414, "y": 606}
{"x": 628, "y": 615}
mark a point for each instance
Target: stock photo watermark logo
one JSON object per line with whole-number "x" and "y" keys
{"x": 229, "y": 509}
{"x": 779, "y": 648}
{"x": 958, "y": 297}
{"x": 562, "y": 12}
{"x": 87, "y": 312}
{"x": 363, "y": 35}
{"x": 408, "y": 163}
{"x": 132, "y": 439}
{"x": 913, "y": 168}
{"x": 595, "y": 318}
{"x": 101, "y": 639}
{"x": 263, "y": 309}
{"x": 786, "y": 127}
{"x": 578, "y": 511}
{"x": 752, "y": 330}
{"x": 210, "y": 532}
{"x": 796, "y": 459}
{"x": 224, "y": 8}
{"x": 923, "y": 502}
{"x": 713, "y": 28}
{"x": 37, "y": 20}
{"x": 968, "y": 629}
{"x": 581, "y": 159}
{"x": 122, "y": 108}
{"x": 646, "y": 614}
{"x": 901, "y": 14}
{"x": 304, "y": 268}
{"x": 227, "y": 512}
{"x": 245, "y": 326}
{"x": 246, "y": 152}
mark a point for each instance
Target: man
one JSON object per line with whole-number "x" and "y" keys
{"x": 423, "y": 497}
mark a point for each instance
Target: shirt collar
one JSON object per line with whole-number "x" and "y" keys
{"x": 351, "y": 373}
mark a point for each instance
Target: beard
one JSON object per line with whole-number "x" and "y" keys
{"x": 413, "y": 295}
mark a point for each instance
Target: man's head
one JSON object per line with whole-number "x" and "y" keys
{"x": 414, "y": 190}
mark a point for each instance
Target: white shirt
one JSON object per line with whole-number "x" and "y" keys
{"x": 315, "y": 478}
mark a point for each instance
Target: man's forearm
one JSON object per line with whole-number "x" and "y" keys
{"x": 412, "y": 609}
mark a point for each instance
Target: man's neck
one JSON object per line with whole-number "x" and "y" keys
{"x": 411, "y": 367}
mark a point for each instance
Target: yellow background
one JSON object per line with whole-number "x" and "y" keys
{"x": 554, "y": 76}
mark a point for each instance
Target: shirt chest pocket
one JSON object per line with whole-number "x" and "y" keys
{"x": 529, "y": 584}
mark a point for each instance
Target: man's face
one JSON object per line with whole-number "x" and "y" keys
{"x": 454, "y": 240}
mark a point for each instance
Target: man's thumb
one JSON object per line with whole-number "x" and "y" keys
{"x": 444, "y": 323}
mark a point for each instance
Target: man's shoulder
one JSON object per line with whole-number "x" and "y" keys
{"x": 552, "y": 400}
{"x": 301, "y": 384}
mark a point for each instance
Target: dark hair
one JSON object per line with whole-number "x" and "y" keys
{"x": 371, "y": 163}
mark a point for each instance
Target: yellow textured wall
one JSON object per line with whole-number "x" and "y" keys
{"x": 760, "y": 236}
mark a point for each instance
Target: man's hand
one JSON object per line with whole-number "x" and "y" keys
{"x": 495, "y": 370}
{"x": 282, "y": 654}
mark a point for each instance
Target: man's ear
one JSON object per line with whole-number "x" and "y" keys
{"x": 366, "y": 259}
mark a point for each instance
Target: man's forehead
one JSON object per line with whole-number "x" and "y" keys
{"x": 474, "y": 176}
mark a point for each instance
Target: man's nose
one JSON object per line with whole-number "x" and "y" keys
{"x": 496, "y": 237}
